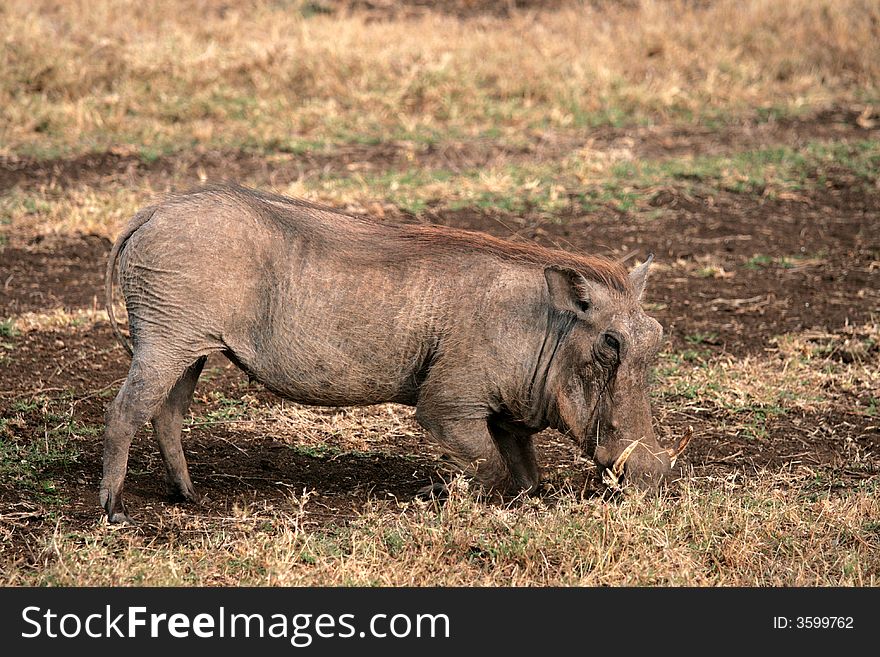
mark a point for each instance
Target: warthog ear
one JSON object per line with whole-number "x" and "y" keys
{"x": 568, "y": 290}
{"x": 639, "y": 276}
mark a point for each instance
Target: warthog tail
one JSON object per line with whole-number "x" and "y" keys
{"x": 136, "y": 222}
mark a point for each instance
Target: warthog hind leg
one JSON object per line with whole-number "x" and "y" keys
{"x": 167, "y": 424}
{"x": 140, "y": 398}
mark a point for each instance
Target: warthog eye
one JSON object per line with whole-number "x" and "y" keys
{"x": 612, "y": 342}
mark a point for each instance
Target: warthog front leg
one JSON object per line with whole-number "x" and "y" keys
{"x": 518, "y": 452}
{"x": 167, "y": 424}
{"x": 470, "y": 445}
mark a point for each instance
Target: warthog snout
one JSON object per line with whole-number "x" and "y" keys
{"x": 643, "y": 464}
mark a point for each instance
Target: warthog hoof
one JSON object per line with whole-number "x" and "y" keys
{"x": 114, "y": 508}
{"x": 120, "y": 518}
{"x": 181, "y": 495}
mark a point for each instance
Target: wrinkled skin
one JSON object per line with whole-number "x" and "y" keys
{"x": 491, "y": 341}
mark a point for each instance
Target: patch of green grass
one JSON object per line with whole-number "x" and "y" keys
{"x": 767, "y": 171}
{"x": 549, "y": 187}
{"x": 693, "y": 390}
{"x": 16, "y": 205}
{"x": 613, "y": 113}
{"x": 675, "y": 362}
{"x": 34, "y": 205}
{"x": 7, "y": 329}
{"x": 28, "y": 405}
{"x": 395, "y": 541}
{"x": 758, "y": 261}
{"x": 285, "y": 145}
{"x": 149, "y": 154}
{"x": 763, "y": 261}
{"x": 692, "y": 355}
{"x": 37, "y": 440}
{"x": 702, "y": 337}
{"x": 774, "y": 113}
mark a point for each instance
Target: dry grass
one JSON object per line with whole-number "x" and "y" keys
{"x": 810, "y": 375}
{"x": 165, "y": 74}
{"x": 58, "y": 318}
{"x": 801, "y": 375}
{"x": 83, "y": 210}
{"x": 770, "y": 531}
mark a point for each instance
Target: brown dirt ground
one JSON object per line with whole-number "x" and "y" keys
{"x": 836, "y": 229}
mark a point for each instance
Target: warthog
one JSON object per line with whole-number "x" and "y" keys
{"x": 491, "y": 341}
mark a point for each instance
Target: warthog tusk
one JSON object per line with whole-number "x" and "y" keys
{"x": 611, "y": 476}
{"x": 675, "y": 453}
{"x": 624, "y": 455}
{"x": 610, "y": 480}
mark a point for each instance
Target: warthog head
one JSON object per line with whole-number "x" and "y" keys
{"x": 600, "y": 376}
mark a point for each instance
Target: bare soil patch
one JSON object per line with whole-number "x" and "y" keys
{"x": 52, "y": 272}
